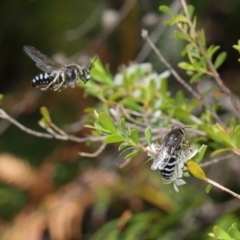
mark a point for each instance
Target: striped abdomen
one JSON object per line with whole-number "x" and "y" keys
{"x": 168, "y": 170}
{"x": 42, "y": 80}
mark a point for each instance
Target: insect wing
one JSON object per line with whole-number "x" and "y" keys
{"x": 42, "y": 61}
{"x": 186, "y": 152}
{"x": 172, "y": 143}
{"x": 162, "y": 157}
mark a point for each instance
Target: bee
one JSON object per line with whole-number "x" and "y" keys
{"x": 172, "y": 150}
{"x": 55, "y": 74}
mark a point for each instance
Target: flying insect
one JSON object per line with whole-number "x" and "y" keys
{"x": 55, "y": 74}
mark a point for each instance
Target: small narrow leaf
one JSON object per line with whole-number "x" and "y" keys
{"x": 208, "y": 188}
{"x": 100, "y": 128}
{"x": 107, "y": 122}
{"x": 132, "y": 154}
{"x": 122, "y": 126}
{"x": 95, "y": 113}
{"x": 224, "y": 136}
{"x": 221, "y": 234}
{"x": 135, "y": 136}
{"x": 190, "y": 10}
{"x": 201, "y": 37}
{"x": 237, "y": 47}
{"x": 201, "y": 153}
{"x": 211, "y": 50}
{"x": 195, "y": 77}
{"x": 220, "y": 59}
{"x": 186, "y": 66}
{"x": 234, "y": 232}
{"x": 179, "y": 18}
{"x": 236, "y": 136}
{"x": 114, "y": 138}
{"x": 1, "y": 97}
{"x": 126, "y": 149}
{"x": 179, "y": 35}
{"x": 166, "y": 9}
{"x": 196, "y": 170}
{"x": 220, "y": 151}
{"x": 45, "y": 113}
{"x": 148, "y": 136}
{"x": 123, "y": 145}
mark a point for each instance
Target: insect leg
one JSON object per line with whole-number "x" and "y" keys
{"x": 63, "y": 80}
{"x": 51, "y": 83}
{"x": 76, "y": 77}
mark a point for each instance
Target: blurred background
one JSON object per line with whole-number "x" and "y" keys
{"x": 47, "y": 191}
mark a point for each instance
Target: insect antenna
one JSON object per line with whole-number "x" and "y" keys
{"x": 92, "y": 64}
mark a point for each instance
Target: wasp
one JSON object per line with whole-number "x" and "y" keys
{"x": 172, "y": 150}
{"x": 55, "y": 74}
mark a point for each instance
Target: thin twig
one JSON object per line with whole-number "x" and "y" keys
{"x": 72, "y": 138}
{"x": 222, "y": 187}
{"x": 155, "y": 35}
{"x": 95, "y": 154}
{"x": 216, "y": 160}
{"x": 175, "y": 74}
{"x": 215, "y": 115}
{"x": 20, "y": 106}
{"x": 57, "y": 129}
{"x": 215, "y": 74}
{"x": 168, "y": 65}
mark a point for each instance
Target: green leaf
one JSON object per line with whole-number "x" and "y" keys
{"x": 195, "y": 77}
{"x": 132, "y": 154}
{"x": 107, "y": 122}
{"x": 234, "y": 232}
{"x": 208, "y": 188}
{"x": 181, "y": 114}
{"x": 237, "y": 47}
{"x": 211, "y": 50}
{"x": 122, "y": 126}
{"x": 123, "y": 145}
{"x": 95, "y": 113}
{"x": 220, "y": 151}
{"x": 126, "y": 149}
{"x": 221, "y": 234}
{"x": 220, "y": 59}
{"x": 190, "y": 10}
{"x": 100, "y": 128}
{"x": 202, "y": 37}
{"x": 179, "y": 18}
{"x": 148, "y": 136}
{"x": 186, "y": 66}
{"x": 225, "y": 137}
{"x": 201, "y": 153}
{"x": 135, "y": 136}
{"x": 212, "y": 235}
{"x": 236, "y": 136}
{"x": 1, "y": 97}
{"x": 196, "y": 170}
{"x": 115, "y": 138}
{"x": 45, "y": 113}
{"x": 100, "y": 74}
{"x": 166, "y": 9}
{"x": 181, "y": 36}
{"x": 148, "y": 160}
{"x": 180, "y": 98}
{"x": 192, "y": 104}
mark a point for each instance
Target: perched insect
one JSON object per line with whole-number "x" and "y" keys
{"x": 55, "y": 74}
{"x": 172, "y": 150}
